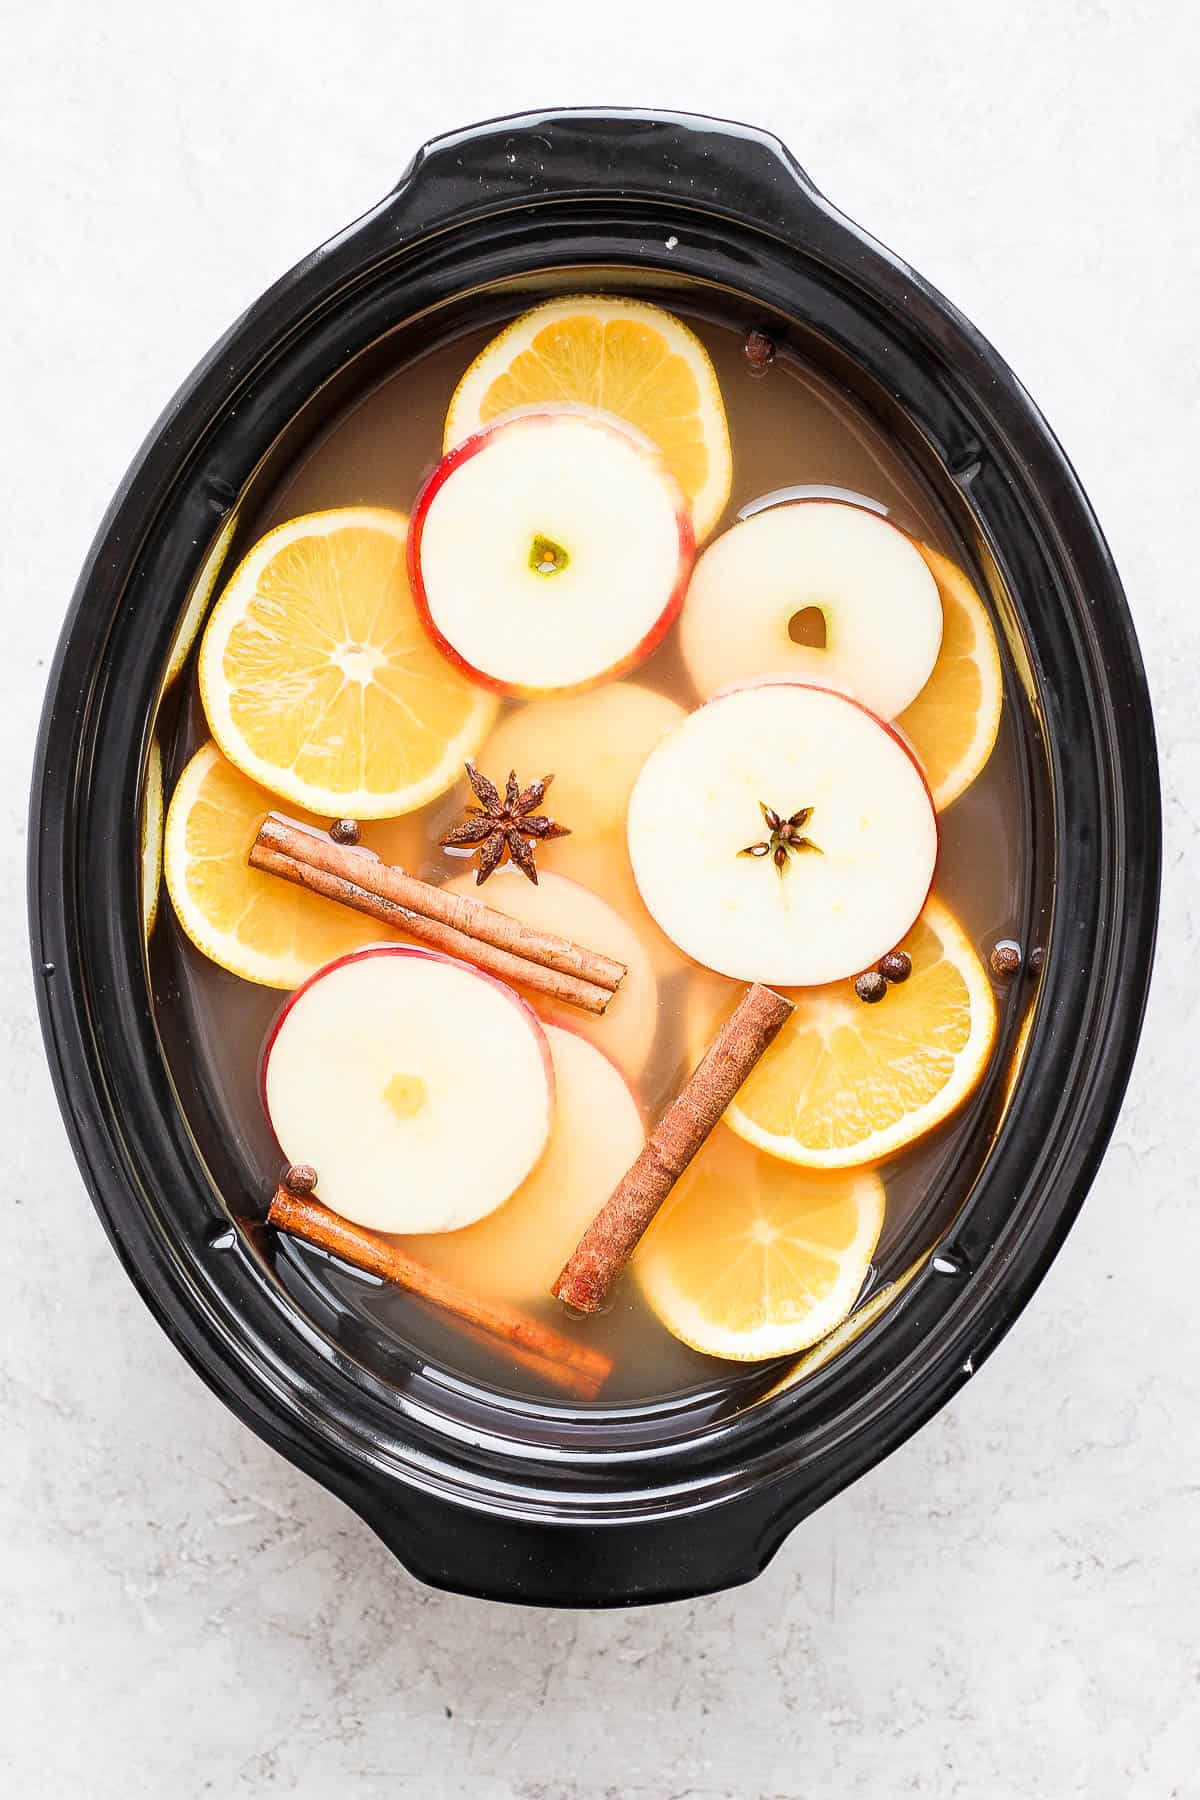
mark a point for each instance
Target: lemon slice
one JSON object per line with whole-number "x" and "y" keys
{"x": 750, "y": 1259}
{"x": 845, "y": 1083}
{"x": 152, "y": 837}
{"x": 953, "y": 722}
{"x": 319, "y": 680}
{"x": 623, "y": 356}
{"x": 253, "y": 924}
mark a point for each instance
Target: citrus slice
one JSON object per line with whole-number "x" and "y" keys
{"x": 750, "y": 1259}
{"x": 319, "y": 680}
{"x": 953, "y": 722}
{"x": 188, "y": 629}
{"x": 152, "y": 837}
{"x": 623, "y": 356}
{"x": 845, "y": 1083}
{"x": 253, "y": 924}
{"x": 1017, "y": 1058}
{"x": 847, "y": 1332}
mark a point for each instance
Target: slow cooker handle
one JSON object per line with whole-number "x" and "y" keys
{"x": 700, "y": 163}
{"x": 543, "y": 1561}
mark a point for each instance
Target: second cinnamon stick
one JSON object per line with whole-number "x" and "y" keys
{"x": 557, "y": 1358}
{"x": 608, "y": 1243}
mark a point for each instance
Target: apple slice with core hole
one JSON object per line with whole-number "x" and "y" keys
{"x": 420, "y": 1089}
{"x": 819, "y": 591}
{"x": 550, "y": 551}
{"x": 517, "y": 1252}
{"x": 625, "y": 1031}
{"x": 825, "y": 891}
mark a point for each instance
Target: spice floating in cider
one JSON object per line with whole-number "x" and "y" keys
{"x": 504, "y": 826}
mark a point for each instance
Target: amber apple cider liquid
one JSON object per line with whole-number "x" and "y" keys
{"x": 790, "y": 427}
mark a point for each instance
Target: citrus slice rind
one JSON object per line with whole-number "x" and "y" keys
{"x": 252, "y": 924}
{"x": 954, "y": 721}
{"x": 320, "y": 682}
{"x": 845, "y": 1083}
{"x": 749, "y": 1259}
{"x": 624, "y": 357}
{"x": 188, "y": 629}
{"x": 152, "y": 837}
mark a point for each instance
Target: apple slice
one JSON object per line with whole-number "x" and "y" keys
{"x": 827, "y": 890}
{"x": 420, "y": 1089}
{"x": 550, "y": 551}
{"x": 515, "y": 1254}
{"x": 626, "y": 1029}
{"x": 594, "y": 743}
{"x": 874, "y": 623}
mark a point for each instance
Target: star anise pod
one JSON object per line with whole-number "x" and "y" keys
{"x": 504, "y": 823}
{"x": 787, "y": 836}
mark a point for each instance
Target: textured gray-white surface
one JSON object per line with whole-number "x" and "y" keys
{"x": 1007, "y": 1607}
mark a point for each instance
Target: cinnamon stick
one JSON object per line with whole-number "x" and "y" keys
{"x": 454, "y": 923}
{"x": 557, "y": 1358}
{"x": 611, "y": 1238}
{"x": 461, "y": 912}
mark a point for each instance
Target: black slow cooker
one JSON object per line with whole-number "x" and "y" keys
{"x": 474, "y": 1491}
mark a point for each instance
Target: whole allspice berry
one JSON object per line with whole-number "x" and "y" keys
{"x": 895, "y": 966}
{"x": 301, "y": 1178}
{"x": 871, "y": 987}
{"x": 1006, "y": 959}
{"x": 345, "y": 831}
{"x": 760, "y": 352}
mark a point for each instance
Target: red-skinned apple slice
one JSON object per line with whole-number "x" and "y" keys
{"x": 420, "y": 1089}
{"x": 550, "y": 551}
{"x": 826, "y": 890}
{"x": 625, "y": 1030}
{"x": 517, "y": 1251}
{"x": 879, "y": 605}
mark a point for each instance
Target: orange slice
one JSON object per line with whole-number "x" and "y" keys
{"x": 848, "y": 1331}
{"x": 1019, "y": 1048}
{"x": 188, "y": 629}
{"x": 845, "y": 1083}
{"x": 623, "y": 356}
{"x": 319, "y": 680}
{"x": 749, "y": 1259}
{"x": 253, "y": 924}
{"x": 152, "y": 837}
{"x": 953, "y": 722}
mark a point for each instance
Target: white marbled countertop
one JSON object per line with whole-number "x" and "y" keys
{"x": 1007, "y": 1606}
